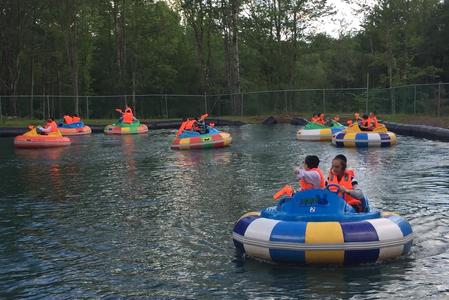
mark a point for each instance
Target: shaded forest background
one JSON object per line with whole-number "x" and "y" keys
{"x": 111, "y": 47}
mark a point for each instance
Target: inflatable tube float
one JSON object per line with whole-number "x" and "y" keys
{"x": 32, "y": 139}
{"x": 318, "y": 132}
{"x": 126, "y": 128}
{"x": 353, "y": 136}
{"x": 77, "y": 128}
{"x": 194, "y": 140}
{"x": 318, "y": 227}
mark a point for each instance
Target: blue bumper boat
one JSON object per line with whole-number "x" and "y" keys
{"x": 318, "y": 227}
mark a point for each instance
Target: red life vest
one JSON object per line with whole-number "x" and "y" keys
{"x": 308, "y": 186}
{"x": 76, "y": 119}
{"x": 346, "y": 181}
{"x": 68, "y": 119}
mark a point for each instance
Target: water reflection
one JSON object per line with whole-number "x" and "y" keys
{"x": 141, "y": 220}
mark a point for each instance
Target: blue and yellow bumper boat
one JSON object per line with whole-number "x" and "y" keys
{"x": 353, "y": 136}
{"x": 318, "y": 227}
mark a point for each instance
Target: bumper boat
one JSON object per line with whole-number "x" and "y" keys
{"x": 126, "y": 128}
{"x": 318, "y": 227}
{"x": 190, "y": 139}
{"x": 32, "y": 139}
{"x": 353, "y": 136}
{"x": 77, "y": 128}
{"x": 318, "y": 132}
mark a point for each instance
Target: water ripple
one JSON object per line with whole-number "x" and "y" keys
{"x": 127, "y": 217}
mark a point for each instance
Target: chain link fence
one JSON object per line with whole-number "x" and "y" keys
{"x": 423, "y": 99}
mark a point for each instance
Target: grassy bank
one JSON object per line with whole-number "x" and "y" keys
{"x": 26, "y": 122}
{"x": 418, "y": 119}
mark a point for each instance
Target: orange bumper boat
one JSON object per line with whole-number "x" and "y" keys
{"x": 32, "y": 139}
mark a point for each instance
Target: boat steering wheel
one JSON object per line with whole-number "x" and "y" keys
{"x": 333, "y": 185}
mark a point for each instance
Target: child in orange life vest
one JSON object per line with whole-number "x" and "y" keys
{"x": 373, "y": 120}
{"x": 76, "y": 118}
{"x": 311, "y": 177}
{"x": 49, "y": 127}
{"x": 366, "y": 124}
{"x": 314, "y": 118}
{"x": 68, "y": 119}
{"x": 127, "y": 116}
{"x": 344, "y": 178}
{"x": 321, "y": 119}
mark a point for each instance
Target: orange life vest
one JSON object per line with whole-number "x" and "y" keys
{"x": 53, "y": 126}
{"x": 68, "y": 119}
{"x": 346, "y": 181}
{"x": 190, "y": 124}
{"x": 128, "y": 117}
{"x": 308, "y": 186}
{"x": 182, "y": 127}
{"x": 374, "y": 121}
{"x": 76, "y": 119}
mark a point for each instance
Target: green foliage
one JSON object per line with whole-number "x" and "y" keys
{"x": 196, "y": 46}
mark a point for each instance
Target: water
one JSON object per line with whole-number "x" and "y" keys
{"x": 127, "y": 217}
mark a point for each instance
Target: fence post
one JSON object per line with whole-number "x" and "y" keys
{"x": 166, "y": 106}
{"x": 205, "y": 103}
{"x": 87, "y": 107}
{"x": 439, "y": 99}
{"x": 393, "y": 104}
{"x": 324, "y": 101}
{"x": 285, "y": 101}
{"x": 48, "y": 106}
{"x": 367, "y": 92}
{"x": 414, "y": 101}
{"x": 1, "y": 112}
{"x": 241, "y": 104}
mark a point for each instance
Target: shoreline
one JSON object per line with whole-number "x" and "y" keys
{"x": 415, "y": 130}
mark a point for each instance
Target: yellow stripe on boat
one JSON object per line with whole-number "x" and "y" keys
{"x": 324, "y": 233}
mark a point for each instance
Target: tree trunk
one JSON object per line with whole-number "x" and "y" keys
{"x": 69, "y": 24}
{"x": 235, "y": 60}
{"x": 118, "y": 8}
{"x": 32, "y": 89}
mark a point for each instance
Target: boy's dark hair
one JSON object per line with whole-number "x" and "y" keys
{"x": 312, "y": 161}
{"x": 343, "y": 160}
{"x": 365, "y": 116}
{"x": 342, "y": 157}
